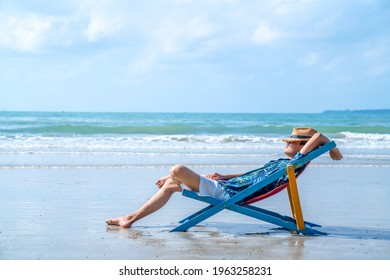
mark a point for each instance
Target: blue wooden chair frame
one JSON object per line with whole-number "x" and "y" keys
{"x": 233, "y": 203}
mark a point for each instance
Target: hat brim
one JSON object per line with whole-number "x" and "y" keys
{"x": 295, "y": 140}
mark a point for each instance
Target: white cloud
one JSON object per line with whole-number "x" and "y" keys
{"x": 104, "y": 18}
{"x": 25, "y": 33}
{"x": 36, "y": 31}
{"x": 101, "y": 25}
{"x": 264, "y": 34}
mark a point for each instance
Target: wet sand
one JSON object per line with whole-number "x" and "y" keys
{"x": 59, "y": 214}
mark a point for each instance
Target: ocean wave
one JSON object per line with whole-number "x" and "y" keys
{"x": 228, "y": 142}
{"x": 241, "y": 166}
{"x": 365, "y": 136}
{"x": 130, "y": 140}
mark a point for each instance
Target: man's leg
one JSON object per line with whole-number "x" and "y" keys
{"x": 179, "y": 174}
{"x": 152, "y": 205}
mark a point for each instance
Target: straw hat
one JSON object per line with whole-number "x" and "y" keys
{"x": 300, "y": 134}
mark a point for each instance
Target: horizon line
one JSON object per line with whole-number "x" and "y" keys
{"x": 189, "y": 112}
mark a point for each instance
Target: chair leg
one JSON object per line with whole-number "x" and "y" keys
{"x": 276, "y": 219}
{"x": 195, "y": 214}
{"x": 266, "y": 216}
{"x": 200, "y": 217}
{"x": 293, "y": 196}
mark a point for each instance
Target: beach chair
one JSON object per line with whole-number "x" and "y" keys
{"x": 239, "y": 204}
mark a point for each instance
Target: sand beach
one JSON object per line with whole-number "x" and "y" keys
{"x": 58, "y": 214}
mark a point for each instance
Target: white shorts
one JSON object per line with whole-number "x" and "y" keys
{"x": 208, "y": 187}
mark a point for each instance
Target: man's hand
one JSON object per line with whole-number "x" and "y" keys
{"x": 215, "y": 176}
{"x": 335, "y": 154}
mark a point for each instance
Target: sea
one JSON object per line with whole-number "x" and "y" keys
{"x": 148, "y": 140}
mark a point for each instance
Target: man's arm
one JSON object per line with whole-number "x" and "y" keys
{"x": 317, "y": 140}
{"x": 217, "y": 176}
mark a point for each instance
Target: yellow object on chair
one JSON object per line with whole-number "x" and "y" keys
{"x": 293, "y": 196}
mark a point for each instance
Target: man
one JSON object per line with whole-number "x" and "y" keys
{"x": 301, "y": 142}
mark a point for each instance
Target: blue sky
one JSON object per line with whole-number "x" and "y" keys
{"x": 194, "y": 56}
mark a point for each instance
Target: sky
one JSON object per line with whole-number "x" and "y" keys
{"x": 275, "y": 56}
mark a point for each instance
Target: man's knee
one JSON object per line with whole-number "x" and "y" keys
{"x": 177, "y": 170}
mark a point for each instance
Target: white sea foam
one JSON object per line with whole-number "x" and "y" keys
{"x": 365, "y": 142}
{"x": 366, "y": 136}
{"x": 362, "y": 141}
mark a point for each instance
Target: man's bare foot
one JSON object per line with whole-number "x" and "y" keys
{"x": 120, "y": 221}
